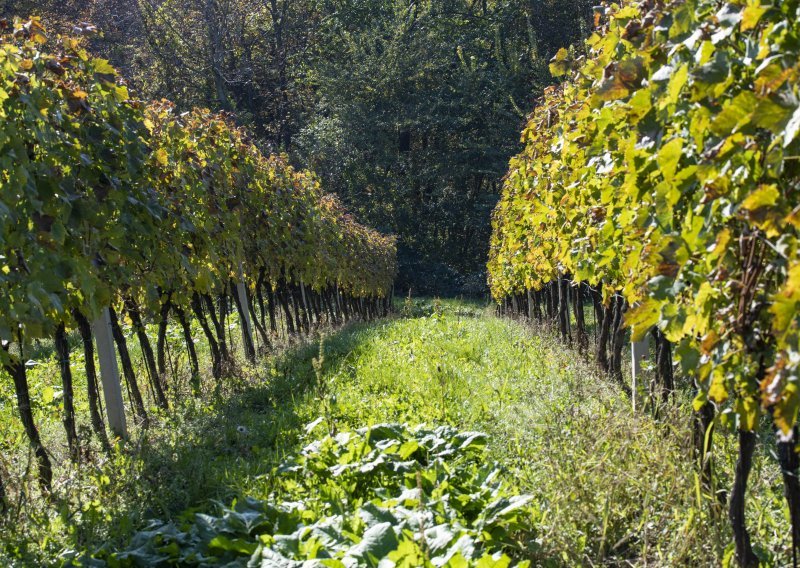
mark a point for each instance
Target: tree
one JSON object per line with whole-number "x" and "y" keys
{"x": 418, "y": 109}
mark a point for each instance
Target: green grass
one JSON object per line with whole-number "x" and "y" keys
{"x": 609, "y": 487}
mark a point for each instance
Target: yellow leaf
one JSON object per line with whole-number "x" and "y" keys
{"x": 751, "y": 15}
{"x": 676, "y": 84}
{"x": 559, "y": 64}
{"x": 748, "y": 410}
{"x": 642, "y": 317}
{"x": 764, "y": 196}
{"x": 785, "y": 411}
{"x": 792, "y": 218}
{"x": 102, "y": 66}
{"x": 723, "y": 238}
{"x": 668, "y": 157}
{"x": 699, "y": 401}
{"x": 161, "y": 156}
{"x": 792, "y": 286}
{"x": 784, "y": 303}
{"x": 717, "y": 391}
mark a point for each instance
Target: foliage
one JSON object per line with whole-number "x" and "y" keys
{"x": 665, "y": 167}
{"x": 101, "y": 195}
{"x": 417, "y": 109}
{"x": 409, "y": 112}
{"x": 418, "y": 497}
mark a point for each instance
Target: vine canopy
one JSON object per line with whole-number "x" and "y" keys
{"x": 666, "y": 167}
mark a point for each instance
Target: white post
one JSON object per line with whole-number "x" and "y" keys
{"x": 242, "y": 292}
{"x": 639, "y": 351}
{"x": 109, "y": 373}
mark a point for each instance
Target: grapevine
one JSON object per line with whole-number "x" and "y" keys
{"x": 663, "y": 175}
{"x": 108, "y": 202}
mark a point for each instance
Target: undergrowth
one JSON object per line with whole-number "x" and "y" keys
{"x": 417, "y": 497}
{"x": 607, "y": 486}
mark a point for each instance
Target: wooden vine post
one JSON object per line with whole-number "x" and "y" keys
{"x": 247, "y": 333}
{"x": 109, "y": 373}
{"x": 639, "y": 351}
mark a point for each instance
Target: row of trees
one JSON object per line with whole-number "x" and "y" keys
{"x": 110, "y": 203}
{"x": 662, "y": 176}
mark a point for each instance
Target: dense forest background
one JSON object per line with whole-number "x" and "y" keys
{"x": 408, "y": 110}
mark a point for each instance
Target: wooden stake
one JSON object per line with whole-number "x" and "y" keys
{"x": 247, "y": 332}
{"x": 639, "y": 352}
{"x": 109, "y": 373}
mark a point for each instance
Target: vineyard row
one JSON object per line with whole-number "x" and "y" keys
{"x": 112, "y": 209}
{"x": 661, "y": 180}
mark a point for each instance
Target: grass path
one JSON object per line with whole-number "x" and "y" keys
{"x": 609, "y": 488}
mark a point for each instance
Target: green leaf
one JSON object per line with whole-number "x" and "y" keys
{"x": 378, "y": 541}
{"x": 438, "y": 538}
{"x": 661, "y": 287}
{"x": 729, "y": 15}
{"x": 737, "y": 112}
{"x": 408, "y": 448}
{"x": 373, "y": 515}
{"x": 688, "y": 355}
{"x": 771, "y": 116}
{"x": 715, "y": 71}
{"x": 222, "y": 543}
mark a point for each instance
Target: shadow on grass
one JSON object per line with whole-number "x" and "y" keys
{"x": 220, "y": 448}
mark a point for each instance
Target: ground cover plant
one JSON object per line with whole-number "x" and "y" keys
{"x": 417, "y": 497}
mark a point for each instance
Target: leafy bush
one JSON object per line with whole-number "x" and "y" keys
{"x": 386, "y": 495}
